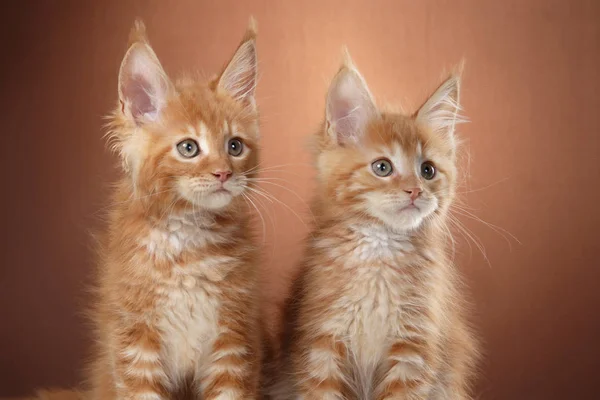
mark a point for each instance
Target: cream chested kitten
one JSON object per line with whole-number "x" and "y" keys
{"x": 376, "y": 312}
{"x": 177, "y": 296}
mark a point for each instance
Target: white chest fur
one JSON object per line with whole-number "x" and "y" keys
{"x": 189, "y": 323}
{"x": 369, "y": 311}
{"x": 190, "y": 297}
{"x": 179, "y": 232}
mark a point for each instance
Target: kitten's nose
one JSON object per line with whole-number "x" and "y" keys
{"x": 222, "y": 175}
{"x": 414, "y": 192}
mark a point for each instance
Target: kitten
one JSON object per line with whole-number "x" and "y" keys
{"x": 178, "y": 308}
{"x": 376, "y": 312}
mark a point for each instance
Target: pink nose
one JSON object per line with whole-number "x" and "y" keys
{"x": 222, "y": 175}
{"x": 413, "y": 192}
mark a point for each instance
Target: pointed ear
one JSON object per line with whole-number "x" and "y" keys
{"x": 350, "y": 105}
{"x": 240, "y": 75}
{"x": 440, "y": 113}
{"x": 143, "y": 84}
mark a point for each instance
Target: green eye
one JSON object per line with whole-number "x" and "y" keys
{"x": 382, "y": 167}
{"x": 427, "y": 170}
{"x": 188, "y": 148}
{"x": 235, "y": 147}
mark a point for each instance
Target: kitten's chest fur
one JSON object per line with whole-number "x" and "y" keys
{"x": 190, "y": 296}
{"x": 378, "y": 289}
{"x": 189, "y": 312}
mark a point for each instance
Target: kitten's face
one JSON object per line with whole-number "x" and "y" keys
{"x": 398, "y": 174}
{"x": 394, "y": 168}
{"x": 205, "y": 153}
{"x": 189, "y": 143}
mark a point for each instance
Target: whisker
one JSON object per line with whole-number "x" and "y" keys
{"x": 266, "y": 209}
{"x": 272, "y": 220}
{"x": 470, "y": 235}
{"x": 259, "y": 192}
{"x": 273, "y": 198}
{"x": 251, "y": 169}
{"x": 501, "y": 231}
{"x": 273, "y": 168}
{"x": 295, "y": 194}
{"x": 264, "y": 230}
{"x": 484, "y": 187}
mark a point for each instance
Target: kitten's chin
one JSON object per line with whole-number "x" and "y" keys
{"x": 401, "y": 219}
{"x": 406, "y": 220}
{"x": 214, "y": 201}
{"x": 402, "y": 216}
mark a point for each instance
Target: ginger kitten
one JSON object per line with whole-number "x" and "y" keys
{"x": 178, "y": 308}
{"x": 376, "y": 312}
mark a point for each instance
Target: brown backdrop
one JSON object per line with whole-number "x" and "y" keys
{"x": 531, "y": 89}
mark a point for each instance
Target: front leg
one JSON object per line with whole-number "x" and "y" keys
{"x": 318, "y": 373}
{"x": 138, "y": 372}
{"x": 233, "y": 370}
{"x": 408, "y": 372}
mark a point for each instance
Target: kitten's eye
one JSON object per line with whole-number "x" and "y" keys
{"x": 382, "y": 167}
{"x": 427, "y": 170}
{"x": 188, "y": 148}
{"x": 235, "y": 147}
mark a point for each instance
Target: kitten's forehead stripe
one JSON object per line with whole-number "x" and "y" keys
{"x": 400, "y": 159}
{"x": 234, "y": 129}
{"x": 202, "y": 129}
{"x": 226, "y": 127}
{"x": 191, "y": 131}
{"x": 203, "y": 136}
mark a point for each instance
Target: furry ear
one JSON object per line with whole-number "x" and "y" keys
{"x": 440, "y": 113}
{"x": 350, "y": 105}
{"x": 240, "y": 75}
{"x": 143, "y": 84}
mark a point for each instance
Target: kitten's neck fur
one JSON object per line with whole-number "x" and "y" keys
{"x": 427, "y": 242}
{"x": 168, "y": 230}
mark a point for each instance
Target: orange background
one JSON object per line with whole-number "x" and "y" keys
{"x": 531, "y": 89}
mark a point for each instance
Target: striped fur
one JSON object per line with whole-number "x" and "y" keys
{"x": 177, "y": 295}
{"x": 376, "y": 311}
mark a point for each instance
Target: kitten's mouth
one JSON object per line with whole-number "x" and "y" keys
{"x": 411, "y": 206}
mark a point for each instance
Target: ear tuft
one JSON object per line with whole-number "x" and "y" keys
{"x": 240, "y": 75}
{"x": 138, "y": 33}
{"x": 252, "y": 29}
{"x": 350, "y": 105}
{"x": 347, "y": 58}
{"x": 441, "y": 112}
{"x": 143, "y": 84}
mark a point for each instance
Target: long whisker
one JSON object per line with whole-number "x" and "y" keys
{"x": 272, "y": 220}
{"x": 260, "y": 193}
{"x": 501, "y": 231}
{"x": 484, "y": 187}
{"x": 275, "y": 199}
{"x": 257, "y": 167}
{"x": 271, "y": 169}
{"x": 292, "y": 192}
{"x": 264, "y": 229}
{"x": 260, "y": 203}
{"x": 476, "y": 241}
{"x": 450, "y": 236}
{"x": 262, "y": 179}
{"x": 251, "y": 169}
